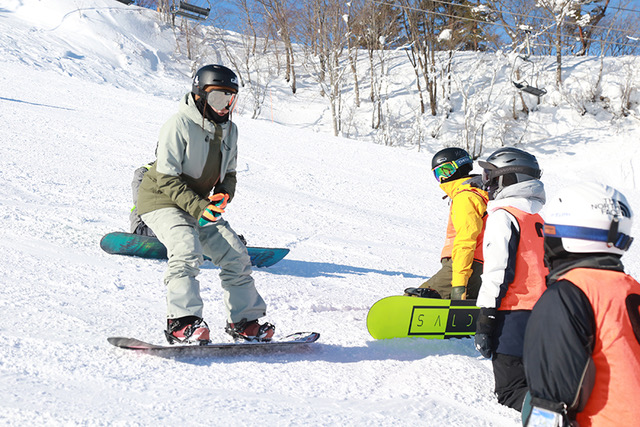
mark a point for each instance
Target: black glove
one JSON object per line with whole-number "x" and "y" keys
{"x": 484, "y": 329}
{"x": 459, "y": 292}
{"x": 483, "y": 345}
{"x": 422, "y": 293}
{"x": 475, "y": 181}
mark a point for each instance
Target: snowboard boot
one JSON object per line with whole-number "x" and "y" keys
{"x": 187, "y": 330}
{"x": 422, "y": 293}
{"x": 250, "y": 331}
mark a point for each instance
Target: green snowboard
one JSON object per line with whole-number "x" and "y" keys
{"x": 404, "y": 316}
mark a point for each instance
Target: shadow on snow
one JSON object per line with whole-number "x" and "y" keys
{"x": 399, "y": 349}
{"x": 310, "y": 269}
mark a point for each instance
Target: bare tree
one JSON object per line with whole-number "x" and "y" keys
{"x": 478, "y": 102}
{"x": 586, "y": 24}
{"x": 164, "y": 9}
{"x": 377, "y": 30}
{"x": 558, "y": 10}
{"x": 410, "y": 25}
{"x": 190, "y": 38}
{"x": 615, "y": 35}
{"x": 513, "y": 15}
{"x": 421, "y": 32}
{"x": 352, "y": 50}
{"x": 252, "y": 65}
{"x": 280, "y": 14}
{"x": 326, "y": 41}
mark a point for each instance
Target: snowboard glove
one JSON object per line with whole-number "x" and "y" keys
{"x": 459, "y": 292}
{"x": 475, "y": 181}
{"x": 214, "y": 210}
{"x": 422, "y": 293}
{"x": 483, "y": 344}
{"x": 484, "y": 329}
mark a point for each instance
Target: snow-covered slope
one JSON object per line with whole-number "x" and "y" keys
{"x": 82, "y": 97}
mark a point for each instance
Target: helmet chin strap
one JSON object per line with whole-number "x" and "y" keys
{"x": 491, "y": 192}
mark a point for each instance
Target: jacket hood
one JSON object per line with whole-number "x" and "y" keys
{"x": 528, "y": 196}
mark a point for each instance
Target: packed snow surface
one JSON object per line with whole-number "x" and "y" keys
{"x": 84, "y": 89}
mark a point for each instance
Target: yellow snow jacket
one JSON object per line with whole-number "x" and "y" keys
{"x": 465, "y": 228}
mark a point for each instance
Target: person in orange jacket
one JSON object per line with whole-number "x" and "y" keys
{"x": 461, "y": 256}
{"x": 514, "y": 271}
{"x": 582, "y": 343}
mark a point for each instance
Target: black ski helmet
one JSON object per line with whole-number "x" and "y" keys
{"x": 462, "y": 163}
{"x": 508, "y": 166}
{"x": 214, "y": 75}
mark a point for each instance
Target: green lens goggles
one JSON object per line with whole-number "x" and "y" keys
{"x": 446, "y": 170}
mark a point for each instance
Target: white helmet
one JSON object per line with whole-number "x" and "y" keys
{"x": 590, "y": 218}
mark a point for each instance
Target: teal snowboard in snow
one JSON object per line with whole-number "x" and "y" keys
{"x": 150, "y": 247}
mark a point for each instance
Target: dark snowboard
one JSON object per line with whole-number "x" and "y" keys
{"x": 121, "y": 243}
{"x": 290, "y": 341}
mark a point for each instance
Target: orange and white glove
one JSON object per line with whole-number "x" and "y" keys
{"x": 214, "y": 210}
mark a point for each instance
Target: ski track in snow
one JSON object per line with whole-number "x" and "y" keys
{"x": 82, "y": 98}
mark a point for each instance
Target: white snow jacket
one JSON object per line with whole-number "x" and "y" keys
{"x": 501, "y": 241}
{"x": 527, "y": 196}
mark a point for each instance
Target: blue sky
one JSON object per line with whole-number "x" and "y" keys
{"x": 224, "y": 9}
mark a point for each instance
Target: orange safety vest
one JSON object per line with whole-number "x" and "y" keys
{"x": 451, "y": 231}
{"x": 615, "y": 298}
{"x": 530, "y": 276}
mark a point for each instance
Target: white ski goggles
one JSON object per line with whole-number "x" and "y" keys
{"x": 222, "y": 99}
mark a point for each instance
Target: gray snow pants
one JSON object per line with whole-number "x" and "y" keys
{"x": 186, "y": 243}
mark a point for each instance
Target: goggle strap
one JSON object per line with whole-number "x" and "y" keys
{"x": 611, "y": 236}
{"x": 457, "y": 163}
{"x": 463, "y": 161}
{"x": 536, "y": 173}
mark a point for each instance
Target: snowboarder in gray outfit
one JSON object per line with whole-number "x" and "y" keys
{"x": 182, "y": 198}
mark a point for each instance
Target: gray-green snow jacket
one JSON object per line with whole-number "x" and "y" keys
{"x": 194, "y": 156}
